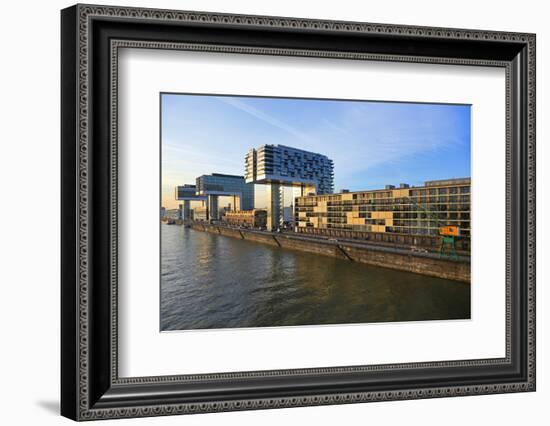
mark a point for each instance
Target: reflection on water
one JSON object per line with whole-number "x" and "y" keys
{"x": 212, "y": 281}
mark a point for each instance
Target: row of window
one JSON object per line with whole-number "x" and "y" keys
{"x": 410, "y": 230}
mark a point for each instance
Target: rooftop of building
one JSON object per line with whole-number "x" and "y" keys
{"x": 291, "y": 148}
{"x": 451, "y": 181}
{"x": 245, "y": 212}
{"x": 224, "y": 175}
{"x": 427, "y": 184}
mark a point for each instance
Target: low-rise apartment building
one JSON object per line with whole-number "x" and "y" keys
{"x": 408, "y": 215}
{"x": 256, "y": 218}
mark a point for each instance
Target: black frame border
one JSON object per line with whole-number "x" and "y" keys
{"x": 90, "y": 387}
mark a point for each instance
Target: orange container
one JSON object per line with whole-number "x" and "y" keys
{"x": 449, "y": 230}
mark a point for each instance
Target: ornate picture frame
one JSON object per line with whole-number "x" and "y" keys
{"x": 91, "y": 37}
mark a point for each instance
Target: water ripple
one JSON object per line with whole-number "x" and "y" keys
{"x": 213, "y": 281}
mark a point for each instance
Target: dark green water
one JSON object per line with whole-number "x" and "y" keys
{"x": 212, "y": 281}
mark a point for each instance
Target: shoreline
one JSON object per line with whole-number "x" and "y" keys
{"x": 429, "y": 264}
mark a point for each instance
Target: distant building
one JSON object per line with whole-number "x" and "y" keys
{"x": 390, "y": 213}
{"x": 200, "y": 213}
{"x": 218, "y": 185}
{"x": 186, "y": 193}
{"x": 256, "y": 218}
{"x": 172, "y": 214}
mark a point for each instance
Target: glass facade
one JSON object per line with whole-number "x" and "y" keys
{"x": 289, "y": 166}
{"x": 185, "y": 191}
{"x": 221, "y": 184}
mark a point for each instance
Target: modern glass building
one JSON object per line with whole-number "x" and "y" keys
{"x": 219, "y": 185}
{"x": 187, "y": 194}
{"x": 289, "y": 166}
{"x": 280, "y": 166}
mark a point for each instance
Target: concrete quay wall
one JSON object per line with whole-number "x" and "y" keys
{"x": 435, "y": 267}
{"x": 320, "y": 247}
{"x": 402, "y": 260}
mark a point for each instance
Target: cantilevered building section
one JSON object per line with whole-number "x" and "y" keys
{"x": 185, "y": 191}
{"x": 279, "y": 166}
{"x": 409, "y": 215}
{"x": 289, "y": 166}
{"x": 218, "y": 185}
{"x": 208, "y": 189}
{"x": 186, "y": 194}
{"x": 227, "y": 185}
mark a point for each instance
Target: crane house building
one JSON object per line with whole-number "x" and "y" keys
{"x": 428, "y": 215}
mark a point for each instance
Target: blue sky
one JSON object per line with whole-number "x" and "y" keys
{"x": 371, "y": 143}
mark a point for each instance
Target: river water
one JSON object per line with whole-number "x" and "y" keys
{"x": 212, "y": 281}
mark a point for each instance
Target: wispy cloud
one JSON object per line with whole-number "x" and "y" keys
{"x": 364, "y": 137}
{"x": 267, "y": 118}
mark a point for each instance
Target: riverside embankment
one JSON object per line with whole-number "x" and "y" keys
{"x": 401, "y": 259}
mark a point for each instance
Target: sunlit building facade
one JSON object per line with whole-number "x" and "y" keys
{"x": 256, "y": 218}
{"x": 421, "y": 211}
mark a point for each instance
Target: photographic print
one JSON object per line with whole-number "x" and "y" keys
{"x": 307, "y": 212}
